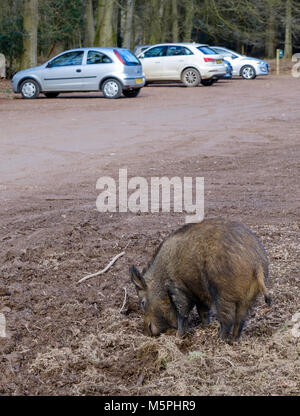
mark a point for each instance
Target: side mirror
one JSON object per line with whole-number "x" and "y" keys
{"x": 142, "y": 56}
{"x": 49, "y": 65}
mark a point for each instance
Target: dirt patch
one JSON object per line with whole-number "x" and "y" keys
{"x": 67, "y": 339}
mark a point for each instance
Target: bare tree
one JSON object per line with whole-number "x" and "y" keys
{"x": 175, "y": 27}
{"x": 89, "y": 24}
{"x": 188, "y": 21}
{"x": 30, "y": 25}
{"x": 270, "y": 30}
{"x": 128, "y": 24}
{"x": 104, "y": 28}
{"x": 288, "y": 49}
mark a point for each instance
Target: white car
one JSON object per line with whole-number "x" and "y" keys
{"x": 190, "y": 63}
{"x": 243, "y": 65}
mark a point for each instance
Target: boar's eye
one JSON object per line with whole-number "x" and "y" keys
{"x": 143, "y": 304}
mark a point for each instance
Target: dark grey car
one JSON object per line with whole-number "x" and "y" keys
{"x": 111, "y": 70}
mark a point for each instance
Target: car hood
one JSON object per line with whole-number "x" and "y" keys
{"x": 29, "y": 70}
{"x": 248, "y": 58}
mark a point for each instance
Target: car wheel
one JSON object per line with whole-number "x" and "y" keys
{"x": 208, "y": 82}
{"x": 248, "y": 72}
{"x": 51, "y": 94}
{"x": 30, "y": 89}
{"x": 112, "y": 88}
{"x": 132, "y": 93}
{"x": 191, "y": 77}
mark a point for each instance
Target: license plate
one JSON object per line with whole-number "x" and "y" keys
{"x": 219, "y": 61}
{"x": 139, "y": 80}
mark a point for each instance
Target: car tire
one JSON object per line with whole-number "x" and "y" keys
{"x": 112, "y": 88}
{"x": 208, "y": 82}
{"x": 30, "y": 89}
{"x": 51, "y": 94}
{"x": 191, "y": 77}
{"x": 248, "y": 72}
{"x": 132, "y": 93}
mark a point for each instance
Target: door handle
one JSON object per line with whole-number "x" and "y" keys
{"x": 78, "y": 70}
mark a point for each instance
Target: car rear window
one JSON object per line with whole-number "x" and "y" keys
{"x": 128, "y": 57}
{"x": 206, "y": 50}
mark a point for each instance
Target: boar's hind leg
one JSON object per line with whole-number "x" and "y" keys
{"x": 241, "y": 313}
{"x": 226, "y": 317}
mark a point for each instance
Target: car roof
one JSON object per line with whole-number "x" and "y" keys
{"x": 94, "y": 48}
{"x": 224, "y": 47}
{"x": 179, "y": 44}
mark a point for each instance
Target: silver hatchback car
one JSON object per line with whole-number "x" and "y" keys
{"x": 111, "y": 70}
{"x": 242, "y": 65}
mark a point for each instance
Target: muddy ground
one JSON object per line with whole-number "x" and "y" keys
{"x": 69, "y": 339}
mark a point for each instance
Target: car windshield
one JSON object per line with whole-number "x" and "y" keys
{"x": 227, "y": 52}
{"x": 206, "y": 50}
{"x": 128, "y": 57}
{"x": 233, "y": 52}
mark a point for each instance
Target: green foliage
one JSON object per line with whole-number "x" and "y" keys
{"x": 11, "y": 32}
{"x": 193, "y": 355}
{"x": 61, "y": 21}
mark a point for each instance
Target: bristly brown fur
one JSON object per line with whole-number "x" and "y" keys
{"x": 213, "y": 262}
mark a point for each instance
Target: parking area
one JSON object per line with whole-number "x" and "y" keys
{"x": 242, "y": 136}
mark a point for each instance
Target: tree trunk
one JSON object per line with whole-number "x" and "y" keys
{"x": 146, "y": 23}
{"x": 175, "y": 29}
{"x": 188, "y": 22}
{"x": 270, "y": 32}
{"x": 104, "y": 29}
{"x": 30, "y": 25}
{"x": 106, "y": 32}
{"x": 89, "y": 24}
{"x": 97, "y": 40}
{"x": 155, "y": 22}
{"x": 288, "y": 47}
{"x": 128, "y": 24}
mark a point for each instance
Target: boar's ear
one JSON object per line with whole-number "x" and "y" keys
{"x": 137, "y": 279}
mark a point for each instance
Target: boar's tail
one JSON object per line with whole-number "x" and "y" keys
{"x": 261, "y": 284}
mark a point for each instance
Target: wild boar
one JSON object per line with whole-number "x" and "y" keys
{"x": 215, "y": 262}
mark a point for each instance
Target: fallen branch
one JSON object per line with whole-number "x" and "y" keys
{"x": 102, "y": 271}
{"x": 125, "y": 300}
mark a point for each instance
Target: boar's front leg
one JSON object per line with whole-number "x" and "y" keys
{"x": 183, "y": 305}
{"x": 181, "y": 325}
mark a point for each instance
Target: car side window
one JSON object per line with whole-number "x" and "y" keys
{"x": 155, "y": 52}
{"x": 178, "y": 51}
{"x": 68, "y": 59}
{"x": 97, "y": 58}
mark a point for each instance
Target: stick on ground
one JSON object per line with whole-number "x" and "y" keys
{"x": 125, "y": 300}
{"x": 102, "y": 271}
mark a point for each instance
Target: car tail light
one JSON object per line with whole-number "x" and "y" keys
{"x": 119, "y": 57}
{"x": 209, "y": 60}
